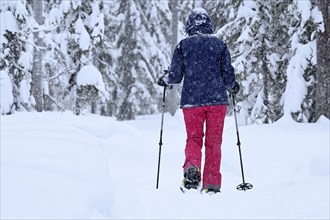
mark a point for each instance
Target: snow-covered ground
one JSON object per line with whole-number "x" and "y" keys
{"x": 62, "y": 166}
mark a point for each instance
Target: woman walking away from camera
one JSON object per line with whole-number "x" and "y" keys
{"x": 203, "y": 62}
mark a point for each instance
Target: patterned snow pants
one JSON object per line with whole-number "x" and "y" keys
{"x": 194, "y": 118}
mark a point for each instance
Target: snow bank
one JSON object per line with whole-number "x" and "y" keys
{"x": 51, "y": 169}
{"x": 62, "y": 166}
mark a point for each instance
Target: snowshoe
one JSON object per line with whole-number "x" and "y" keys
{"x": 211, "y": 190}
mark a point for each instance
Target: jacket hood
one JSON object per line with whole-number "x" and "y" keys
{"x": 198, "y": 22}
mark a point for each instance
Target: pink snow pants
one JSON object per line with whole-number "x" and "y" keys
{"x": 194, "y": 118}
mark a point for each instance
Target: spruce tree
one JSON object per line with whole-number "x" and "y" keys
{"x": 299, "y": 96}
{"x": 127, "y": 63}
{"x": 141, "y": 45}
{"x": 273, "y": 54}
{"x": 242, "y": 37}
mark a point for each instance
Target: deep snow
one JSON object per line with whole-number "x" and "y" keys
{"x": 62, "y": 166}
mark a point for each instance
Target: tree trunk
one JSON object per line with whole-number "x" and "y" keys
{"x": 323, "y": 64}
{"x": 37, "y": 76}
{"x": 173, "y": 95}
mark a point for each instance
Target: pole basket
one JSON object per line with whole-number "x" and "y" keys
{"x": 244, "y": 186}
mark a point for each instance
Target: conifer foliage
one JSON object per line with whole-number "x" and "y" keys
{"x": 274, "y": 55}
{"x": 105, "y": 57}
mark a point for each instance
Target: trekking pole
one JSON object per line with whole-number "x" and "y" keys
{"x": 161, "y": 136}
{"x": 243, "y": 186}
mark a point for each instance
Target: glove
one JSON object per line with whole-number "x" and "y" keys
{"x": 235, "y": 89}
{"x": 161, "y": 81}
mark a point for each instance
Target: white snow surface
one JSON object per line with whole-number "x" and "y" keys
{"x": 200, "y": 10}
{"x": 6, "y": 95}
{"x": 62, "y": 166}
{"x": 7, "y": 23}
{"x": 81, "y": 35}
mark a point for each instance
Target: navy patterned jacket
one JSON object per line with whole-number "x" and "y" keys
{"x": 203, "y": 62}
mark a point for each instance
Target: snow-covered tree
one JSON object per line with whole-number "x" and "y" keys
{"x": 16, "y": 51}
{"x": 78, "y": 37}
{"x": 273, "y": 59}
{"x": 299, "y": 96}
{"x": 241, "y": 35}
{"x": 157, "y": 35}
{"x": 221, "y": 12}
{"x": 57, "y": 65}
{"x": 90, "y": 86}
{"x": 272, "y": 50}
{"x": 140, "y": 61}
{"x": 127, "y": 67}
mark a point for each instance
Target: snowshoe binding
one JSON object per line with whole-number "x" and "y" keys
{"x": 191, "y": 180}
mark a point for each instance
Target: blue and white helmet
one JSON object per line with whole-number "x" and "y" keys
{"x": 199, "y": 21}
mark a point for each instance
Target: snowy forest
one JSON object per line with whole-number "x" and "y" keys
{"x": 105, "y": 56}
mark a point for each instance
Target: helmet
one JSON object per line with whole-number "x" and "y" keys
{"x": 199, "y": 21}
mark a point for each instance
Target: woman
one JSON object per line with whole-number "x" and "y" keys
{"x": 203, "y": 62}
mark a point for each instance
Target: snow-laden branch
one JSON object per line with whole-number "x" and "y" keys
{"x": 62, "y": 72}
{"x": 44, "y": 28}
{"x": 33, "y": 44}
